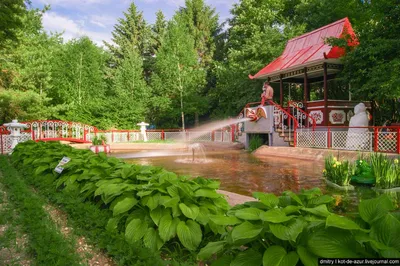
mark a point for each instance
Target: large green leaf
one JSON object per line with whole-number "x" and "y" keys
{"x": 152, "y": 240}
{"x": 333, "y": 243}
{"x": 320, "y": 210}
{"x": 373, "y": 209}
{"x": 210, "y": 249}
{"x": 270, "y": 200}
{"x": 248, "y": 214}
{"x": 152, "y": 201}
{"x": 306, "y": 257}
{"x": 249, "y": 257}
{"x": 223, "y": 261}
{"x": 324, "y": 199}
{"x": 204, "y": 215}
{"x": 124, "y": 205}
{"x": 277, "y": 256}
{"x": 189, "y": 234}
{"x": 41, "y": 169}
{"x": 387, "y": 231}
{"x": 207, "y": 193}
{"x": 294, "y": 197}
{"x": 246, "y": 230}
{"x": 291, "y": 209}
{"x": 190, "y": 211}
{"x": 135, "y": 230}
{"x": 290, "y": 231}
{"x": 157, "y": 213}
{"x": 167, "y": 227}
{"x": 171, "y": 202}
{"x": 275, "y": 216}
{"x": 225, "y": 220}
{"x": 342, "y": 222}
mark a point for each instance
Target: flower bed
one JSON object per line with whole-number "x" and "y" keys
{"x": 167, "y": 212}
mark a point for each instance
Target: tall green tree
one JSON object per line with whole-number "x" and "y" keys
{"x": 257, "y": 35}
{"x": 131, "y": 32}
{"x": 372, "y": 68}
{"x": 11, "y": 13}
{"x": 178, "y": 76}
{"x": 130, "y": 97}
{"x": 202, "y": 23}
{"x": 27, "y": 62}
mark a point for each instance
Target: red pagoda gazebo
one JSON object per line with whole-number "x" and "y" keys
{"x": 308, "y": 59}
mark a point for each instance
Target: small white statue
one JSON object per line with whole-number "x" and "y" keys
{"x": 143, "y": 130}
{"x": 357, "y": 138}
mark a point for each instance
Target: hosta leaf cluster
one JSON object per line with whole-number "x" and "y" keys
{"x": 155, "y": 207}
{"x": 297, "y": 229}
{"x": 149, "y": 204}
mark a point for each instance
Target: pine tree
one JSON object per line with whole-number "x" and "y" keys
{"x": 131, "y": 32}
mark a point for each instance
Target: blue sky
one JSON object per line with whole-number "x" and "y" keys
{"x": 96, "y": 18}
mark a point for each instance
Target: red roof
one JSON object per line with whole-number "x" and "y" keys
{"x": 310, "y": 47}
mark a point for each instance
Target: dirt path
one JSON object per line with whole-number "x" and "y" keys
{"x": 88, "y": 253}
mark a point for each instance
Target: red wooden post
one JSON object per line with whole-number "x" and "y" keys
{"x": 128, "y": 135}
{"x": 326, "y": 116}
{"x": 212, "y": 135}
{"x": 162, "y": 135}
{"x": 329, "y": 138}
{"x": 84, "y": 134}
{"x": 233, "y": 127}
{"x": 281, "y": 90}
{"x": 398, "y": 140}
{"x": 375, "y": 139}
{"x": 222, "y": 135}
{"x": 32, "y": 133}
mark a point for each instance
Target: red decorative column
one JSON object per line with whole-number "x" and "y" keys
{"x": 281, "y": 90}
{"x": 326, "y": 115}
{"x": 305, "y": 90}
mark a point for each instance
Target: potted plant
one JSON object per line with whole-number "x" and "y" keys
{"x": 99, "y": 144}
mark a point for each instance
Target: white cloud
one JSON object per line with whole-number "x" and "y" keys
{"x": 69, "y": 3}
{"x": 103, "y": 20}
{"x": 53, "y": 22}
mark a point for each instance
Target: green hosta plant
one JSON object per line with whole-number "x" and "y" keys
{"x": 149, "y": 204}
{"x": 298, "y": 229}
{"x": 338, "y": 172}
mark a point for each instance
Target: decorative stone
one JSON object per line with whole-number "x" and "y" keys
{"x": 143, "y": 130}
{"x": 15, "y": 129}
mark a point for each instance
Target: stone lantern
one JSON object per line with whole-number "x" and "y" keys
{"x": 143, "y": 130}
{"x": 15, "y": 129}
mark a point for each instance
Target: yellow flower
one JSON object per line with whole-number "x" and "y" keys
{"x": 338, "y": 163}
{"x": 334, "y": 165}
{"x": 335, "y": 159}
{"x": 396, "y": 161}
{"x": 324, "y": 171}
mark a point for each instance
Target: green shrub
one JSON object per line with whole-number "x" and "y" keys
{"x": 99, "y": 140}
{"x": 385, "y": 170}
{"x": 255, "y": 143}
{"x": 298, "y": 229}
{"x": 149, "y": 204}
{"x": 338, "y": 172}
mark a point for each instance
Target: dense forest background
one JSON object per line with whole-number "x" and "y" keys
{"x": 190, "y": 66}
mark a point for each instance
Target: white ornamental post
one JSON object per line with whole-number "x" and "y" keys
{"x": 143, "y": 130}
{"x": 15, "y": 129}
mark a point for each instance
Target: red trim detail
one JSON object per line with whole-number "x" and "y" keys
{"x": 398, "y": 140}
{"x": 375, "y": 139}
